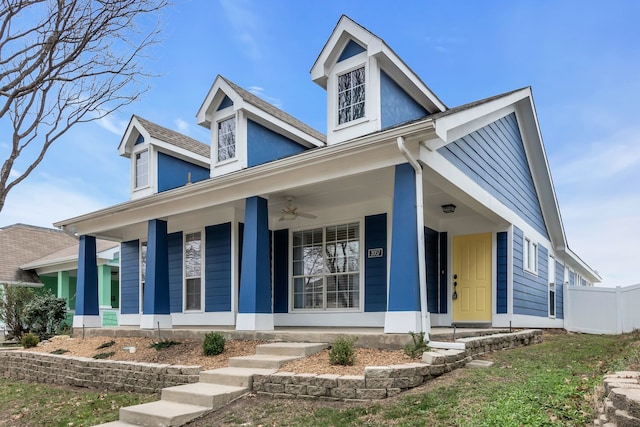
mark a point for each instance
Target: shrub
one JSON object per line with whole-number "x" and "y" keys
{"x": 13, "y": 300}
{"x": 29, "y": 340}
{"x": 343, "y": 352}
{"x": 419, "y": 346}
{"x": 59, "y": 351}
{"x": 104, "y": 355}
{"x": 44, "y": 314}
{"x": 106, "y": 344}
{"x": 163, "y": 344}
{"x": 213, "y": 344}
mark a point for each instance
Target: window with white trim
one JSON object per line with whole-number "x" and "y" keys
{"x": 351, "y": 95}
{"x": 143, "y": 271}
{"x": 193, "y": 271}
{"x": 227, "y": 139}
{"x": 530, "y": 256}
{"x": 326, "y": 268}
{"x": 141, "y": 169}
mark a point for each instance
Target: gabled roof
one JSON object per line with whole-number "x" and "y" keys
{"x": 69, "y": 254}
{"x": 21, "y": 243}
{"x": 242, "y": 98}
{"x": 170, "y": 140}
{"x": 346, "y": 30}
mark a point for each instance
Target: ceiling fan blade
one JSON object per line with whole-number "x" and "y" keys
{"x": 306, "y": 215}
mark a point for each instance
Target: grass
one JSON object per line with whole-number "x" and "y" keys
{"x": 549, "y": 384}
{"x": 27, "y": 404}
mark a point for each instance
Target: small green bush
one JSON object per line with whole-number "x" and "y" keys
{"x": 44, "y": 314}
{"x": 106, "y": 344}
{"x": 29, "y": 340}
{"x": 163, "y": 344}
{"x": 104, "y": 355}
{"x": 59, "y": 351}
{"x": 419, "y": 345}
{"x": 213, "y": 344}
{"x": 343, "y": 352}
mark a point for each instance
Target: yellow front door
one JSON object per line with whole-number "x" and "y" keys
{"x": 472, "y": 278}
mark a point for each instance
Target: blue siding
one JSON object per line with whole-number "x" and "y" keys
{"x": 217, "y": 268}
{"x": 130, "y": 277}
{"x": 226, "y": 102}
{"x": 502, "y": 274}
{"x": 173, "y": 173}
{"x": 559, "y": 290}
{"x": 175, "y": 271}
{"x": 375, "y": 269}
{"x": 494, "y": 157}
{"x": 444, "y": 273}
{"x": 530, "y": 292}
{"x": 572, "y": 278}
{"x": 265, "y": 145}
{"x": 281, "y": 271}
{"x": 396, "y": 105}
{"x": 431, "y": 261}
{"x": 351, "y": 49}
{"x": 156, "y": 285}
{"x": 404, "y": 281}
{"x": 87, "y": 284}
{"x": 139, "y": 140}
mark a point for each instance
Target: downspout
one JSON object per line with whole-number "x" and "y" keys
{"x": 422, "y": 268}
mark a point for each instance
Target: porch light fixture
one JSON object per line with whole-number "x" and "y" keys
{"x": 450, "y": 208}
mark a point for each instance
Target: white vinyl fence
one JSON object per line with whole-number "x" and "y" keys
{"x": 596, "y": 310}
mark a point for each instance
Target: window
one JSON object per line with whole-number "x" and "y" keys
{"x": 552, "y": 287}
{"x": 351, "y": 94}
{"x": 227, "y": 139}
{"x": 142, "y": 169}
{"x": 143, "y": 271}
{"x": 530, "y": 256}
{"x": 326, "y": 268}
{"x": 193, "y": 271}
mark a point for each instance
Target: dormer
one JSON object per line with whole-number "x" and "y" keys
{"x": 247, "y": 131}
{"x": 369, "y": 88}
{"x": 161, "y": 159}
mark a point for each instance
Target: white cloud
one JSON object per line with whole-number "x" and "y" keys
{"x": 247, "y": 26}
{"x": 113, "y": 124}
{"x": 259, "y": 91}
{"x": 13, "y": 174}
{"x": 182, "y": 125}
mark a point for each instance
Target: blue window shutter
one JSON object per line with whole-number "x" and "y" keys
{"x": 281, "y": 271}
{"x": 501, "y": 273}
{"x": 444, "y": 273}
{"x": 175, "y": 271}
{"x": 431, "y": 250}
{"x": 218, "y": 268}
{"x": 375, "y": 277}
{"x": 130, "y": 277}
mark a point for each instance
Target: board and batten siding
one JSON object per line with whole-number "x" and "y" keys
{"x": 494, "y": 157}
{"x": 530, "y": 291}
{"x": 130, "y": 277}
{"x": 175, "y": 255}
{"x": 218, "y": 268}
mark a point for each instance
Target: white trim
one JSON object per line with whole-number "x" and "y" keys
{"x": 225, "y": 318}
{"x": 129, "y": 319}
{"x": 524, "y": 321}
{"x": 331, "y": 319}
{"x": 87, "y": 321}
{"x": 202, "y": 270}
{"x": 528, "y": 244}
{"x": 551, "y": 273}
{"x": 402, "y": 322}
{"x": 254, "y": 322}
{"x": 150, "y": 321}
{"x": 140, "y": 272}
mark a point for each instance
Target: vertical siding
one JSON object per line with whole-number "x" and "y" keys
{"x": 265, "y": 145}
{"x": 502, "y": 274}
{"x": 375, "y": 269}
{"x": 444, "y": 273}
{"x": 281, "y": 271}
{"x": 559, "y": 279}
{"x": 494, "y": 157}
{"x": 218, "y": 268}
{"x": 175, "y": 271}
{"x": 174, "y": 173}
{"x": 396, "y": 105}
{"x": 431, "y": 261}
{"x": 130, "y": 274}
{"x": 530, "y": 292}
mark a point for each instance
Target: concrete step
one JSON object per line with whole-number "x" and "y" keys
{"x": 212, "y": 396}
{"x": 300, "y": 349}
{"x": 117, "y": 423}
{"x": 161, "y": 414}
{"x": 263, "y": 361}
{"x": 239, "y": 377}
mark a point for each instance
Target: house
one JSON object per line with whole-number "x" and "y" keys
{"x": 46, "y": 259}
{"x": 408, "y": 214}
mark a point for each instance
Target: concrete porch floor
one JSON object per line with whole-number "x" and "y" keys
{"x": 367, "y": 337}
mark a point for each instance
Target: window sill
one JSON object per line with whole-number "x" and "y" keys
{"x": 225, "y": 162}
{"x": 346, "y": 125}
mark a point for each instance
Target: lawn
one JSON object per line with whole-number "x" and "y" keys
{"x": 549, "y": 384}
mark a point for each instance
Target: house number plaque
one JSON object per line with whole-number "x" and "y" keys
{"x": 375, "y": 253}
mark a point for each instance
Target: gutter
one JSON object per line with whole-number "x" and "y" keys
{"x": 422, "y": 268}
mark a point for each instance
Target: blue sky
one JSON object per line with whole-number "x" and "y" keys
{"x": 582, "y": 59}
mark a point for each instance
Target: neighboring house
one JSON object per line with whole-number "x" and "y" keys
{"x": 45, "y": 258}
{"x": 407, "y": 215}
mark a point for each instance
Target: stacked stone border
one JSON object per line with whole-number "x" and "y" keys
{"x": 99, "y": 374}
{"x": 621, "y": 406}
{"x": 380, "y": 382}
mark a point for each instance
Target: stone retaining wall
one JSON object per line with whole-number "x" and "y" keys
{"x": 621, "y": 406}
{"x": 379, "y": 382}
{"x": 92, "y": 373}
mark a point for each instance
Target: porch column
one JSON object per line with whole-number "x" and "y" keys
{"x": 63, "y": 287}
{"x": 104, "y": 286}
{"x": 155, "y": 305}
{"x": 87, "y": 313}
{"x": 403, "y": 309}
{"x": 254, "y": 305}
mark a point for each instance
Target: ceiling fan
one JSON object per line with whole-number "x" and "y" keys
{"x": 290, "y": 212}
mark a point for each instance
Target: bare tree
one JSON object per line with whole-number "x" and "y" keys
{"x": 64, "y": 62}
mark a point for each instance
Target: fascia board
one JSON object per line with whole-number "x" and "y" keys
{"x": 201, "y": 115}
{"x": 124, "y": 149}
{"x": 181, "y": 153}
{"x": 232, "y": 186}
{"x": 583, "y": 268}
{"x": 274, "y": 123}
